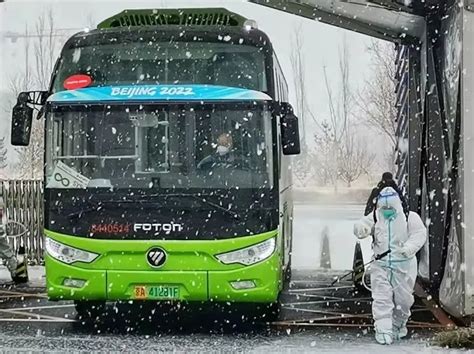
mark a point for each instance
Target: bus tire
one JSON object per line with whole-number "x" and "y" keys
{"x": 287, "y": 276}
{"x": 271, "y": 312}
{"x": 89, "y": 310}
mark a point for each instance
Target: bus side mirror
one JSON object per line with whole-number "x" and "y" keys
{"x": 22, "y": 117}
{"x": 290, "y": 136}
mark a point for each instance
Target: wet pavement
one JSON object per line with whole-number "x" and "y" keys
{"x": 315, "y": 317}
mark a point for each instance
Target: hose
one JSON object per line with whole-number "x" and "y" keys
{"x": 363, "y": 278}
{"x": 12, "y": 222}
{"x": 366, "y": 270}
{"x": 376, "y": 258}
{"x": 389, "y": 253}
{"x": 389, "y": 259}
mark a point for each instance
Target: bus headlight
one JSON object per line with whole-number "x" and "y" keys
{"x": 249, "y": 255}
{"x": 68, "y": 254}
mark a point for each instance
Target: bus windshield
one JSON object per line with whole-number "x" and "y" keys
{"x": 149, "y": 60}
{"x": 173, "y": 146}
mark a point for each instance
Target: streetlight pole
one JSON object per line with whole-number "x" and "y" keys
{"x": 59, "y": 32}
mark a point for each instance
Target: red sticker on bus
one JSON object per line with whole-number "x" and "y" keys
{"x": 77, "y": 81}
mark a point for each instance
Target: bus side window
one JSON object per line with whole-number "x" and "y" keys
{"x": 279, "y": 154}
{"x": 277, "y": 87}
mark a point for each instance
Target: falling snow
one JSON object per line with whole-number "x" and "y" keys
{"x": 169, "y": 177}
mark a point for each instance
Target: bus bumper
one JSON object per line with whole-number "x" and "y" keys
{"x": 260, "y": 282}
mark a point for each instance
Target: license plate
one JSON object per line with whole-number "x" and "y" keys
{"x": 157, "y": 292}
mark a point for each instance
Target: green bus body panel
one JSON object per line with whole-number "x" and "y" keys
{"x": 182, "y": 255}
{"x": 56, "y": 272}
{"x": 174, "y": 17}
{"x": 191, "y": 265}
{"x": 266, "y": 275}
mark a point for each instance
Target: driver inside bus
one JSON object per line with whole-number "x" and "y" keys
{"x": 224, "y": 156}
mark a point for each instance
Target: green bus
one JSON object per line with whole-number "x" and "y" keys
{"x": 166, "y": 168}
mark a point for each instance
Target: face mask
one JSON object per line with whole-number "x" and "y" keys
{"x": 388, "y": 213}
{"x": 222, "y": 150}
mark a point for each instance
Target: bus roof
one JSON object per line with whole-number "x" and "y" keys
{"x": 175, "y": 17}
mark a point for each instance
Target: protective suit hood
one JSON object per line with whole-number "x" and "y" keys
{"x": 391, "y": 229}
{"x": 388, "y": 199}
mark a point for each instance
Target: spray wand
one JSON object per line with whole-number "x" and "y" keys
{"x": 376, "y": 258}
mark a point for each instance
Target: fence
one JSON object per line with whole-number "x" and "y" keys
{"x": 24, "y": 204}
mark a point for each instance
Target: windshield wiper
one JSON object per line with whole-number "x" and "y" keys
{"x": 80, "y": 213}
{"x": 201, "y": 200}
{"x": 99, "y": 205}
{"x": 132, "y": 203}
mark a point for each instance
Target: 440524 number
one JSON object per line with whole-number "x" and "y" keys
{"x": 110, "y": 228}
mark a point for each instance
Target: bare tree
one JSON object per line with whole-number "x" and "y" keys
{"x": 303, "y": 169}
{"x": 91, "y": 21}
{"x": 340, "y": 105}
{"x": 39, "y": 51}
{"x": 339, "y": 153}
{"x": 376, "y": 102}
{"x": 354, "y": 160}
{"x": 302, "y": 166}
{"x": 299, "y": 79}
{"x": 325, "y": 155}
{"x": 307, "y": 167}
{"x": 30, "y": 158}
{"x": 44, "y": 49}
{"x": 331, "y": 133}
{"x": 22, "y": 80}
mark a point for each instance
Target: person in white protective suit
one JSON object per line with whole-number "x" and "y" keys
{"x": 393, "y": 277}
{"x": 17, "y": 269}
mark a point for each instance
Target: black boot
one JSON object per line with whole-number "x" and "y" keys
{"x": 21, "y": 272}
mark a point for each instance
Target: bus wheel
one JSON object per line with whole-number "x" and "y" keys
{"x": 271, "y": 312}
{"x": 287, "y": 276}
{"x": 89, "y": 309}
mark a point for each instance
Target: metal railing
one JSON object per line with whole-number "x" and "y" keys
{"x": 24, "y": 205}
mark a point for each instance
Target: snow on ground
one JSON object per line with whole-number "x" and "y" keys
{"x": 310, "y": 220}
{"x": 59, "y": 336}
{"x": 308, "y": 342}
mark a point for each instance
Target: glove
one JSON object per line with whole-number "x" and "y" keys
{"x": 361, "y": 231}
{"x": 407, "y": 251}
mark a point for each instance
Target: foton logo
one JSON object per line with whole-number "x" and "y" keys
{"x": 169, "y": 227}
{"x": 133, "y": 91}
{"x": 156, "y": 257}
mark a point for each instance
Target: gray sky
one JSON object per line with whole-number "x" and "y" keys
{"x": 321, "y": 42}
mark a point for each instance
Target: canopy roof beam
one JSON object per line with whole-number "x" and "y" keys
{"x": 383, "y": 19}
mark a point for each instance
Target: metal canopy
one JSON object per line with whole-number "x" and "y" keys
{"x": 384, "y": 19}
